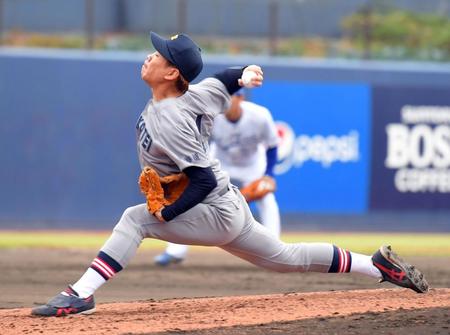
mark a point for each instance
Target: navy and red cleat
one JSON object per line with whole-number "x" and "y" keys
{"x": 65, "y": 303}
{"x": 395, "y": 270}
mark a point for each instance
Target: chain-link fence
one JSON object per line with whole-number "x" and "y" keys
{"x": 395, "y": 29}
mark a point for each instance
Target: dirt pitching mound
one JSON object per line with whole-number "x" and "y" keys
{"x": 358, "y": 312}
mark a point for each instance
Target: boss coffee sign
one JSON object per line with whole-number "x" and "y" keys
{"x": 411, "y": 148}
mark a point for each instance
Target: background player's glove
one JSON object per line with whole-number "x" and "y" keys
{"x": 161, "y": 191}
{"x": 258, "y": 188}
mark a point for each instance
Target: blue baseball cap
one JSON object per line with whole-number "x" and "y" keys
{"x": 182, "y": 52}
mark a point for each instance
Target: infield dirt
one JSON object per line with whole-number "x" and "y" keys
{"x": 248, "y": 300}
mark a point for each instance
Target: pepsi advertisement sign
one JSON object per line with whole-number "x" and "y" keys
{"x": 411, "y": 148}
{"x": 324, "y": 132}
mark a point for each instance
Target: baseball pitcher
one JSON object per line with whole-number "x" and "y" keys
{"x": 189, "y": 199}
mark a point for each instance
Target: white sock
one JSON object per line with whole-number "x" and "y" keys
{"x": 177, "y": 250}
{"x": 363, "y": 264}
{"x": 88, "y": 283}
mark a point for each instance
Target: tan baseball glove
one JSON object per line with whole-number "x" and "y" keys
{"x": 161, "y": 191}
{"x": 258, "y": 188}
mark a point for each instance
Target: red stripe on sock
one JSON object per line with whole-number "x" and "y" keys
{"x": 100, "y": 270}
{"x": 104, "y": 266}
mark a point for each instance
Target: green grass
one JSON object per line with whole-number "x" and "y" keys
{"x": 60, "y": 239}
{"x": 367, "y": 243}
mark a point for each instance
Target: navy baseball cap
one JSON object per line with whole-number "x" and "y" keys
{"x": 182, "y": 52}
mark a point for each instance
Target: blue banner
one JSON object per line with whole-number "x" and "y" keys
{"x": 324, "y": 155}
{"x": 411, "y": 148}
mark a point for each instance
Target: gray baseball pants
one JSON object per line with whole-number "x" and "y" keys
{"x": 226, "y": 223}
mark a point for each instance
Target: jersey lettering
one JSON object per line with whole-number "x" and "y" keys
{"x": 144, "y": 137}
{"x": 194, "y": 158}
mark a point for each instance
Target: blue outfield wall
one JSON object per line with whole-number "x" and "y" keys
{"x": 67, "y": 134}
{"x": 67, "y": 138}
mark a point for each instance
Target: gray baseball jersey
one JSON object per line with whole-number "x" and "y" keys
{"x": 172, "y": 135}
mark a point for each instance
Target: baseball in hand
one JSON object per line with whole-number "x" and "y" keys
{"x": 247, "y": 77}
